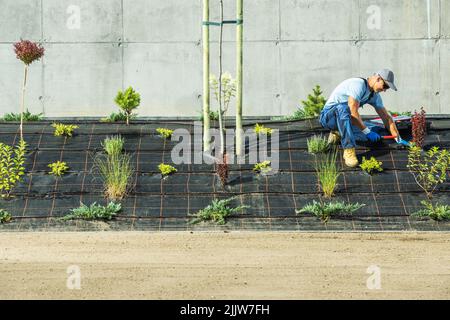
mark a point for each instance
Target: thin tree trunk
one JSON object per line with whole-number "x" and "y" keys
{"x": 206, "y": 95}
{"x": 221, "y": 126}
{"x": 22, "y": 107}
{"x": 239, "y": 54}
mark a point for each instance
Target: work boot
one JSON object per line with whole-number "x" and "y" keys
{"x": 350, "y": 158}
{"x": 334, "y": 137}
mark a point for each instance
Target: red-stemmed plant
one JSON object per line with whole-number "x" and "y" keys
{"x": 419, "y": 127}
{"x": 28, "y": 52}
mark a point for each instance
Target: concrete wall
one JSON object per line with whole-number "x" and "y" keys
{"x": 155, "y": 46}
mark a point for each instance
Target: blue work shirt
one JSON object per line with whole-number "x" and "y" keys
{"x": 356, "y": 88}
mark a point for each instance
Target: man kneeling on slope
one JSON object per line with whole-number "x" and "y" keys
{"x": 340, "y": 113}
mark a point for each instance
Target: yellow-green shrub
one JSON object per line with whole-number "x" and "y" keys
{"x": 12, "y": 166}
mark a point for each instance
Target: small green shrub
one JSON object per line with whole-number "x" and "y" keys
{"x": 116, "y": 117}
{"x": 261, "y": 129}
{"x": 428, "y": 168}
{"x": 436, "y": 212}
{"x": 213, "y": 115}
{"x": 94, "y": 212}
{"x": 58, "y": 168}
{"x": 371, "y": 165}
{"x": 116, "y": 171}
{"x": 12, "y": 166}
{"x": 113, "y": 145}
{"x": 324, "y": 211}
{"x": 327, "y": 172}
{"x": 263, "y": 167}
{"x": 27, "y": 116}
{"x": 164, "y": 133}
{"x": 218, "y": 211}
{"x": 318, "y": 144}
{"x": 5, "y": 216}
{"x": 64, "y": 129}
{"x": 166, "y": 169}
{"x": 128, "y": 100}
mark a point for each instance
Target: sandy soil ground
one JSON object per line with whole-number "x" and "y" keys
{"x": 237, "y": 265}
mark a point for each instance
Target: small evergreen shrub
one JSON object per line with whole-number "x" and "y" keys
{"x": 64, "y": 129}
{"x": 58, "y": 168}
{"x": 27, "y": 116}
{"x": 12, "y": 166}
{"x": 116, "y": 117}
{"x": 261, "y": 129}
{"x": 166, "y": 169}
{"x": 263, "y": 167}
{"x": 436, "y": 212}
{"x": 5, "y": 216}
{"x": 371, "y": 165}
{"x": 128, "y": 100}
{"x": 164, "y": 133}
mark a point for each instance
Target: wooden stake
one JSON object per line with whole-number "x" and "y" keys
{"x": 239, "y": 65}
{"x": 206, "y": 95}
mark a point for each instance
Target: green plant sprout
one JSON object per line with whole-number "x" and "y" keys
{"x": 128, "y": 100}
{"x": 317, "y": 144}
{"x": 113, "y": 145}
{"x": 428, "y": 168}
{"x": 164, "y": 132}
{"x": 324, "y": 211}
{"x": 371, "y": 165}
{"x": 12, "y": 166}
{"x": 166, "y": 169}
{"x": 261, "y": 129}
{"x": 263, "y": 167}
{"x": 213, "y": 115}
{"x": 116, "y": 117}
{"x": 327, "y": 172}
{"x": 64, "y": 129}
{"x": 94, "y": 212}
{"x": 26, "y": 116}
{"x": 436, "y": 212}
{"x": 218, "y": 211}
{"x": 58, "y": 168}
{"x": 5, "y": 216}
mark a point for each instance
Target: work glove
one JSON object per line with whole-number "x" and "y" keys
{"x": 371, "y": 136}
{"x": 402, "y": 142}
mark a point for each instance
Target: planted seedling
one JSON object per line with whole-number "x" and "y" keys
{"x": 26, "y": 116}
{"x": 5, "y": 216}
{"x": 324, "y": 211}
{"x": 128, "y": 100}
{"x": 318, "y": 144}
{"x": 263, "y": 167}
{"x": 327, "y": 172}
{"x": 436, "y": 212}
{"x": 261, "y": 129}
{"x": 428, "y": 168}
{"x": 166, "y": 169}
{"x": 218, "y": 211}
{"x": 113, "y": 145}
{"x": 371, "y": 165}
{"x": 12, "y": 166}
{"x": 58, "y": 168}
{"x": 94, "y": 212}
{"x": 164, "y": 133}
{"x": 65, "y": 130}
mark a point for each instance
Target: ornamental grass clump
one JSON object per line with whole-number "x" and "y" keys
{"x": 218, "y": 211}
{"x": 327, "y": 172}
{"x": 128, "y": 100}
{"x": 116, "y": 172}
{"x": 324, "y": 211}
{"x": 27, "y": 52}
{"x": 12, "y": 167}
{"x": 113, "y": 145}
{"x": 317, "y": 144}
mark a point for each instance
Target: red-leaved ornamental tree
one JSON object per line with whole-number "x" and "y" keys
{"x": 419, "y": 127}
{"x": 28, "y": 52}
